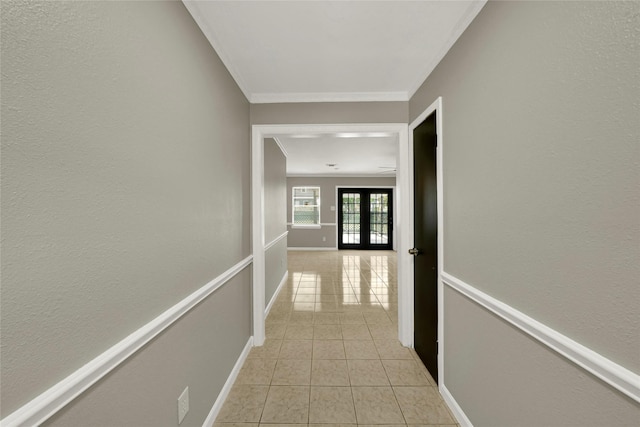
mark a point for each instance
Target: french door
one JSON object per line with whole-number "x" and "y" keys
{"x": 365, "y": 218}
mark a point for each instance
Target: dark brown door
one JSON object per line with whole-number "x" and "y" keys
{"x": 426, "y": 241}
{"x": 365, "y": 219}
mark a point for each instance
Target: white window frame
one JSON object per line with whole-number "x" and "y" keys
{"x": 293, "y": 207}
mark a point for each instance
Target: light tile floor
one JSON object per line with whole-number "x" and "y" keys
{"x": 331, "y": 355}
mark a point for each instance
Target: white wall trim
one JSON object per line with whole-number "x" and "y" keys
{"x": 457, "y": 411}
{"x": 328, "y": 248}
{"x": 618, "y": 377}
{"x": 275, "y": 241}
{"x": 275, "y": 294}
{"x": 222, "y": 396}
{"x": 55, "y": 398}
{"x": 276, "y": 98}
{"x": 257, "y": 235}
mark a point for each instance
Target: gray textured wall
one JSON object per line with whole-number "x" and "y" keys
{"x": 541, "y": 203}
{"x": 330, "y": 112}
{"x": 125, "y": 184}
{"x": 313, "y": 238}
{"x": 275, "y": 207}
{"x": 275, "y": 190}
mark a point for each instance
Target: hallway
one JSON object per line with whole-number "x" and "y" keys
{"x": 331, "y": 355}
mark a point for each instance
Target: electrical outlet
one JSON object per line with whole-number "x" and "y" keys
{"x": 324, "y": 238}
{"x": 183, "y": 405}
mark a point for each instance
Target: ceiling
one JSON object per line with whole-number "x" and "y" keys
{"x": 332, "y": 51}
{"x": 320, "y": 51}
{"x": 340, "y": 154}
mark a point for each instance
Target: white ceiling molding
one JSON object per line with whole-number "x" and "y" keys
{"x": 275, "y": 98}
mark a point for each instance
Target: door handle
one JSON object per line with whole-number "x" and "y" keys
{"x": 414, "y": 251}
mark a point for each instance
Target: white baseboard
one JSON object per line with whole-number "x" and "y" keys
{"x": 312, "y": 249}
{"x": 275, "y": 294}
{"x": 617, "y": 376}
{"x": 457, "y": 411}
{"x": 222, "y": 396}
{"x": 43, "y": 406}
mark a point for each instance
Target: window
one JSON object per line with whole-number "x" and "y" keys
{"x": 306, "y": 206}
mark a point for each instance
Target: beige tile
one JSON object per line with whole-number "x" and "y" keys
{"x": 296, "y": 349}
{"x": 356, "y": 332}
{"x": 352, "y": 318}
{"x": 376, "y": 405}
{"x": 367, "y": 373}
{"x": 286, "y": 405}
{"x": 235, "y": 424}
{"x": 360, "y": 350}
{"x": 298, "y": 332}
{"x": 256, "y": 371}
{"x": 423, "y": 369}
{"x": 327, "y": 332}
{"x": 377, "y": 318}
{"x": 328, "y": 349}
{"x": 331, "y": 405}
{"x": 292, "y": 372}
{"x": 326, "y": 318}
{"x": 381, "y": 425}
{"x": 332, "y": 425}
{"x": 405, "y": 373}
{"x": 311, "y": 290}
{"x": 305, "y": 298}
{"x": 326, "y": 307}
{"x": 329, "y": 373}
{"x": 244, "y": 404}
{"x": 432, "y": 425}
{"x": 278, "y": 317}
{"x": 392, "y": 349}
{"x": 388, "y": 332}
{"x": 326, "y": 298}
{"x": 269, "y": 350}
{"x": 300, "y": 317}
{"x": 275, "y": 330}
{"x": 303, "y": 307}
{"x": 423, "y": 405}
{"x": 282, "y": 425}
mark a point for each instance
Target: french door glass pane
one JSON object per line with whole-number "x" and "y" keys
{"x": 378, "y": 218}
{"x": 351, "y": 218}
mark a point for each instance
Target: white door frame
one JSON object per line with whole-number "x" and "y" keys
{"x": 407, "y": 315}
{"x": 403, "y": 226}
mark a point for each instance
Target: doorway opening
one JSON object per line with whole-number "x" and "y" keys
{"x": 399, "y": 131}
